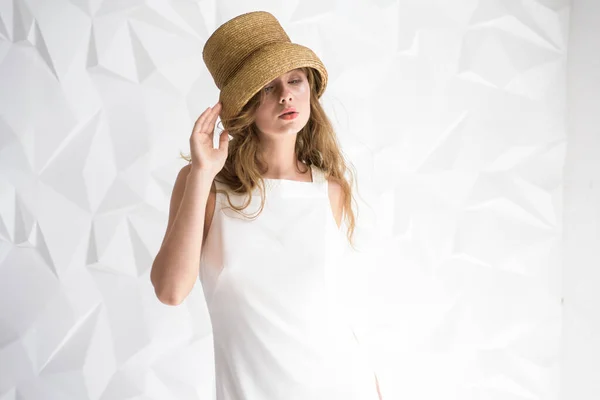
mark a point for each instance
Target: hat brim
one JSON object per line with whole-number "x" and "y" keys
{"x": 264, "y": 65}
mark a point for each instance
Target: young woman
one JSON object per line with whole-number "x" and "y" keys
{"x": 260, "y": 220}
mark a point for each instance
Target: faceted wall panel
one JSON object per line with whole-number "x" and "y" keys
{"x": 452, "y": 113}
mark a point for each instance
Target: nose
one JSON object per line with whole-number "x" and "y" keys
{"x": 286, "y": 94}
{"x": 287, "y": 97}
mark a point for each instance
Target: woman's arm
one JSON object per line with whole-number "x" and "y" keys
{"x": 176, "y": 266}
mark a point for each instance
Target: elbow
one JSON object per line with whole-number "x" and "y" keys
{"x": 168, "y": 298}
{"x": 170, "y": 290}
{"x": 164, "y": 294}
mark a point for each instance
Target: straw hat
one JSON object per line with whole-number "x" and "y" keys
{"x": 247, "y": 52}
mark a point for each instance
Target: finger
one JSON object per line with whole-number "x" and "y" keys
{"x": 208, "y": 125}
{"x": 217, "y": 110}
{"x": 201, "y": 118}
{"x": 224, "y": 142}
{"x": 224, "y": 138}
{"x": 213, "y": 123}
{"x": 200, "y": 121}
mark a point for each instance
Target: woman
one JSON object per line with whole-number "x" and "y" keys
{"x": 260, "y": 220}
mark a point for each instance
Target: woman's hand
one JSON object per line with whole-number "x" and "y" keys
{"x": 205, "y": 158}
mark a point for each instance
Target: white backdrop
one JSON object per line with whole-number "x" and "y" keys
{"x": 580, "y": 356}
{"x": 454, "y": 115}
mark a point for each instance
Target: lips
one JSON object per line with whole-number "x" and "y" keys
{"x": 289, "y": 110}
{"x": 288, "y": 115}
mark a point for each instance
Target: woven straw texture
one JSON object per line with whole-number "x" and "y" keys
{"x": 247, "y": 52}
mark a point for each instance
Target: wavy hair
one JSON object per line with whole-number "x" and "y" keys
{"x": 316, "y": 144}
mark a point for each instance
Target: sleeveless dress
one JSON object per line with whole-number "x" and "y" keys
{"x": 278, "y": 329}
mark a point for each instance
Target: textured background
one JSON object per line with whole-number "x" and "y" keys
{"x": 580, "y": 355}
{"x": 455, "y": 117}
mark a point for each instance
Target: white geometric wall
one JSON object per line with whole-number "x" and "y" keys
{"x": 580, "y": 356}
{"x": 452, "y": 112}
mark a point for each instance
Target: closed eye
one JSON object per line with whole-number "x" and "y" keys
{"x": 292, "y": 81}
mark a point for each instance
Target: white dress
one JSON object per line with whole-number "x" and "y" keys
{"x": 278, "y": 331}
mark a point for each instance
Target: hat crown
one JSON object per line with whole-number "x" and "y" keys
{"x": 234, "y": 41}
{"x": 249, "y": 51}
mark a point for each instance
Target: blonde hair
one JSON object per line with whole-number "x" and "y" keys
{"x": 316, "y": 144}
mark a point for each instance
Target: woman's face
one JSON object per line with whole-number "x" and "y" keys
{"x": 289, "y": 90}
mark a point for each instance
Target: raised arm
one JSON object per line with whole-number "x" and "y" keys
{"x": 176, "y": 266}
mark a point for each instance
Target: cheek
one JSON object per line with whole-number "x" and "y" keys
{"x": 262, "y": 117}
{"x": 305, "y": 92}
{"x": 260, "y": 114}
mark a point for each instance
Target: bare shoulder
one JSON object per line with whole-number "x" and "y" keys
{"x": 336, "y": 199}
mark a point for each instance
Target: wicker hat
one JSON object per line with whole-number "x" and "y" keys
{"x": 247, "y": 52}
